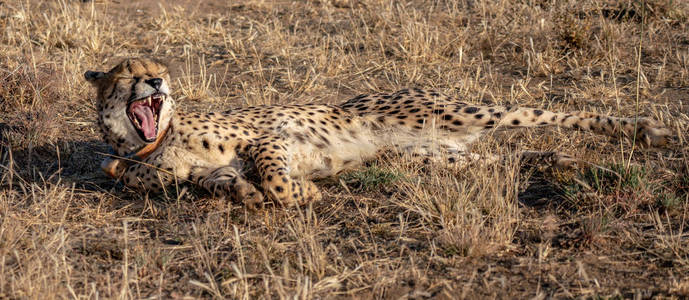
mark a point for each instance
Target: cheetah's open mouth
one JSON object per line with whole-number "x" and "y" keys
{"x": 144, "y": 114}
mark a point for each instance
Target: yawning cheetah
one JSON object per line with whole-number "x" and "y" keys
{"x": 291, "y": 144}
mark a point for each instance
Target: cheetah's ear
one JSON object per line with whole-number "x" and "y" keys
{"x": 93, "y": 76}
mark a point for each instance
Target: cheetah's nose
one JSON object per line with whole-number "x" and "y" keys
{"x": 154, "y": 82}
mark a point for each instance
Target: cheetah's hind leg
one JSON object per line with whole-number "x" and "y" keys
{"x": 453, "y": 157}
{"x": 444, "y": 154}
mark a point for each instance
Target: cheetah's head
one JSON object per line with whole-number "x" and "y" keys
{"x": 134, "y": 104}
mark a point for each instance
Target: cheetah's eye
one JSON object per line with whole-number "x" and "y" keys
{"x": 158, "y": 73}
{"x": 124, "y": 78}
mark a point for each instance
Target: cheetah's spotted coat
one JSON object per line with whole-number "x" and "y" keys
{"x": 290, "y": 145}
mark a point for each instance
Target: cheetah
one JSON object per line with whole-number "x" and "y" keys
{"x": 288, "y": 146}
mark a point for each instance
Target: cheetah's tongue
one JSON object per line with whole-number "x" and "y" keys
{"x": 146, "y": 119}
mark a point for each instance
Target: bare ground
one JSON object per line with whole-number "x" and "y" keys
{"x": 392, "y": 229}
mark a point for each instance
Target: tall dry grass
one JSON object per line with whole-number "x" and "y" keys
{"x": 396, "y": 228}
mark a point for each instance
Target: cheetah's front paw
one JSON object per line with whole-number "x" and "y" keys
{"x": 293, "y": 192}
{"x": 311, "y": 192}
{"x": 239, "y": 191}
{"x": 113, "y": 167}
{"x": 249, "y": 196}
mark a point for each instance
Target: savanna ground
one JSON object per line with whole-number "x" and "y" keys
{"x": 394, "y": 228}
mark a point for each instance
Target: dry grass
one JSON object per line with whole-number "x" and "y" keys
{"x": 394, "y": 229}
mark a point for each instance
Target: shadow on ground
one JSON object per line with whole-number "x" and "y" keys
{"x": 72, "y": 162}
